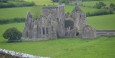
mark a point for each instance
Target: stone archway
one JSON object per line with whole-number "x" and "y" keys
{"x": 69, "y": 24}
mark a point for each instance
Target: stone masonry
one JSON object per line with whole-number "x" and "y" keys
{"x": 51, "y": 23}
{"x": 55, "y": 23}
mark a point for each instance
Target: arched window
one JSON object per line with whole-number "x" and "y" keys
{"x": 43, "y": 30}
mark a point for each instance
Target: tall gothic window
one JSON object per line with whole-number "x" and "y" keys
{"x": 43, "y": 30}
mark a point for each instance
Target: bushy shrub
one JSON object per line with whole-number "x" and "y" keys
{"x": 112, "y": 6}
{"x": 12, "y": 34}
{"x": 55, "y": 0}
{"x": 100, "y": 5}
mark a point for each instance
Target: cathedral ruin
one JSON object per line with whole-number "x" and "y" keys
{"x": 55, "y": 23}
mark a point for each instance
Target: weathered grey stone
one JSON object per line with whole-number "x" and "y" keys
{"x": 88, "y": 32}
{"x": 52, "y": 24}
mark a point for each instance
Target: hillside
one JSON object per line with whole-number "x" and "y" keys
{"x": 102, "y": 47}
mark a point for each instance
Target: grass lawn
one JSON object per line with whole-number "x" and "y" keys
{"x": 89, "y": 10}
{"x": 20, "y": 12}
{"x": 62, "y": 48}
{"x": 66, "y": 48}
{"x": 69, "y": 8}
{"x": 9, "y": 13}
{"x": 106, "y": 22}
{"x": 41, "y": 2}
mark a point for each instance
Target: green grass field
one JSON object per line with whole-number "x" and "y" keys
{"x": 102, "y": 47}
{"x": 41, "y": 2}
{"x": 89, "y": 10}
{"x": 66, "y": 48}
{"x": 106, "y": 22}
{"x": 9, "y": 13}
{"x": 20, "y": 12}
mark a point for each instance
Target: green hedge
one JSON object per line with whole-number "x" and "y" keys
{"x": 16, "y": 4}
{"x": 6, "y": 21}
{"x": 100, "y": 12}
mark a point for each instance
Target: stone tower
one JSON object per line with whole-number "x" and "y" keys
{"x": 56, "y": 14}
{"x": 79, "y": 18}
{"x": 27, "y": 32}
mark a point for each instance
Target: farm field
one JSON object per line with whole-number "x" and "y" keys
{"x": 20, "y": 12}
{"x": 10, "y": 13}
{"x": 102, "y": 47}
{"x": 66, "y": 48}
{"x": 106, "y": 22}
{"x": 41, "y": 2}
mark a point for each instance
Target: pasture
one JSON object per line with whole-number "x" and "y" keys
{"x": 105, "y": 22}
{"x": 102, "y": 47}
{"x": 66, "y": 48}
{"x": 20, "y": 12}
{"x": 10, "y": 13}
{"x": 42, "y": 2}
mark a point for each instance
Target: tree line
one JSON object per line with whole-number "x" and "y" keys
{"x": 18, "y": 3}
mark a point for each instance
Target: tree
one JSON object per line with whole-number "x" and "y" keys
{"x": 5, "y": 1}
{"x": 112, "y": 6}
{"x": 12, "y": 34}
{"x": 55, "y": 0}
{"x": 100, "y": 5}
{"x": 64, "y": 1}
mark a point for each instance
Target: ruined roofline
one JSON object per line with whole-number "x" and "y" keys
{"x": 53, "y": 6}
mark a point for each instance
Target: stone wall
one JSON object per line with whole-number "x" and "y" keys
{"x": 52, "y": 24}
{"x": 12, "y": 54}
{"x": 88, "y": 32}
{"x": 106, "y": 33}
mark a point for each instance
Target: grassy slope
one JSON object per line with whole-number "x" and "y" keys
{"x": 41, "y": 2}
{"x": 89, "y": 10}
{"x": 9, "y": 13}
{"x": 67, "y": 48}
{"x": 20, "y": 12}
{"x": 102, "y": 22}
{"x": 69, "y": 8}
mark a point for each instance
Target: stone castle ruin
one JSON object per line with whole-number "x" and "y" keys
{"x": 55, "y": 23}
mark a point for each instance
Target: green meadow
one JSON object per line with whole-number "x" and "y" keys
{"x": 10, "y": 13}
{"x": 103, "y": 47}
{"x": 105, "y": 22}
{"x": 66, "y": 48}
{"x": 42, "y": 2}
{"x": 20, "y": 12}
